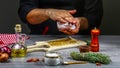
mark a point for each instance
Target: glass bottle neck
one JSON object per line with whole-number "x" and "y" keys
{"x": 18, "y": 37}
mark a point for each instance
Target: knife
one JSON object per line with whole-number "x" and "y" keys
{"x": 74, "y": 62}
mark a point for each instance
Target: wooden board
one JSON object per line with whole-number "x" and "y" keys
{"x": 56, "y": 44}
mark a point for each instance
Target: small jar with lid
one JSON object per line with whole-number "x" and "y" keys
{"x": 84, "y": 49}
{"x": 52, "y": 58}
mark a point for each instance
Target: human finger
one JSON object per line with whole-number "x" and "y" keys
{"x": 65, "y": 31}
{"x": 76, "y": 28}
{"x": 72, "y": 11}
{"x": 69, "y": 19}
{"x": 60, "y": 19}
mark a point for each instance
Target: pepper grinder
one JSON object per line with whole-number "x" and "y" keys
{"x": 94, "y": 47}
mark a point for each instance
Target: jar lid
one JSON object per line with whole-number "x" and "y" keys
{"x": 52, "y": 55}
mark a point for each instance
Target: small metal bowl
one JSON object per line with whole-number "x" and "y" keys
{"x": 52, "y": 58}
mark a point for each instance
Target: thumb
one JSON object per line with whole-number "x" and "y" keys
{"x": 72, "y": 11}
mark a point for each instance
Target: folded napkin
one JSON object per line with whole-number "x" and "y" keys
{"x": 7, "y": 39}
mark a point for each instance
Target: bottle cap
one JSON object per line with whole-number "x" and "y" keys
{"x": 18, "y": 28}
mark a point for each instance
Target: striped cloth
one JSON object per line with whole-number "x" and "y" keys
{"x": 7, "y": 39}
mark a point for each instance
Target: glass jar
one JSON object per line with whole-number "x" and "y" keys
{"x": 18, "y": 49}
{"x": 52, "y": 58}
{"x": 84, "y": 49}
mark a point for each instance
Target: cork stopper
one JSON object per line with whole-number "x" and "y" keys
{"x": 18, "y": 28}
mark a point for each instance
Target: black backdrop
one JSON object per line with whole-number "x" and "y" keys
{"x": 110, "y": 24}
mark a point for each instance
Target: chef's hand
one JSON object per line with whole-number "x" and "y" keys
{"x": 70, "y": 31}
{"x": 60, "y": 15}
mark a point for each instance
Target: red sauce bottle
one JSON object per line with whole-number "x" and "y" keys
{"x": 94, "y": 47}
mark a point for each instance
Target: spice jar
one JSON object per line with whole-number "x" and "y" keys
{"x": 84, "y": 49}
{"x": 52, "y": 58}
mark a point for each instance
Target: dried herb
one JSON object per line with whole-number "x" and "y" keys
{"x": 91, "y": 57}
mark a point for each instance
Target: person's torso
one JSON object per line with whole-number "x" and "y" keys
{"x": 58, "y": 4}
{"x": 50, "y": 26}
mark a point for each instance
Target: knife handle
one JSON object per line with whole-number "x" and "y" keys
{"x": 68, "y": 63}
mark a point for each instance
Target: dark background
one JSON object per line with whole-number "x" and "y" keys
{"x": 110, "y": 24}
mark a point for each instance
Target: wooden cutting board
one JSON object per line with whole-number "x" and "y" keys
{"x": 56, "y": 44}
